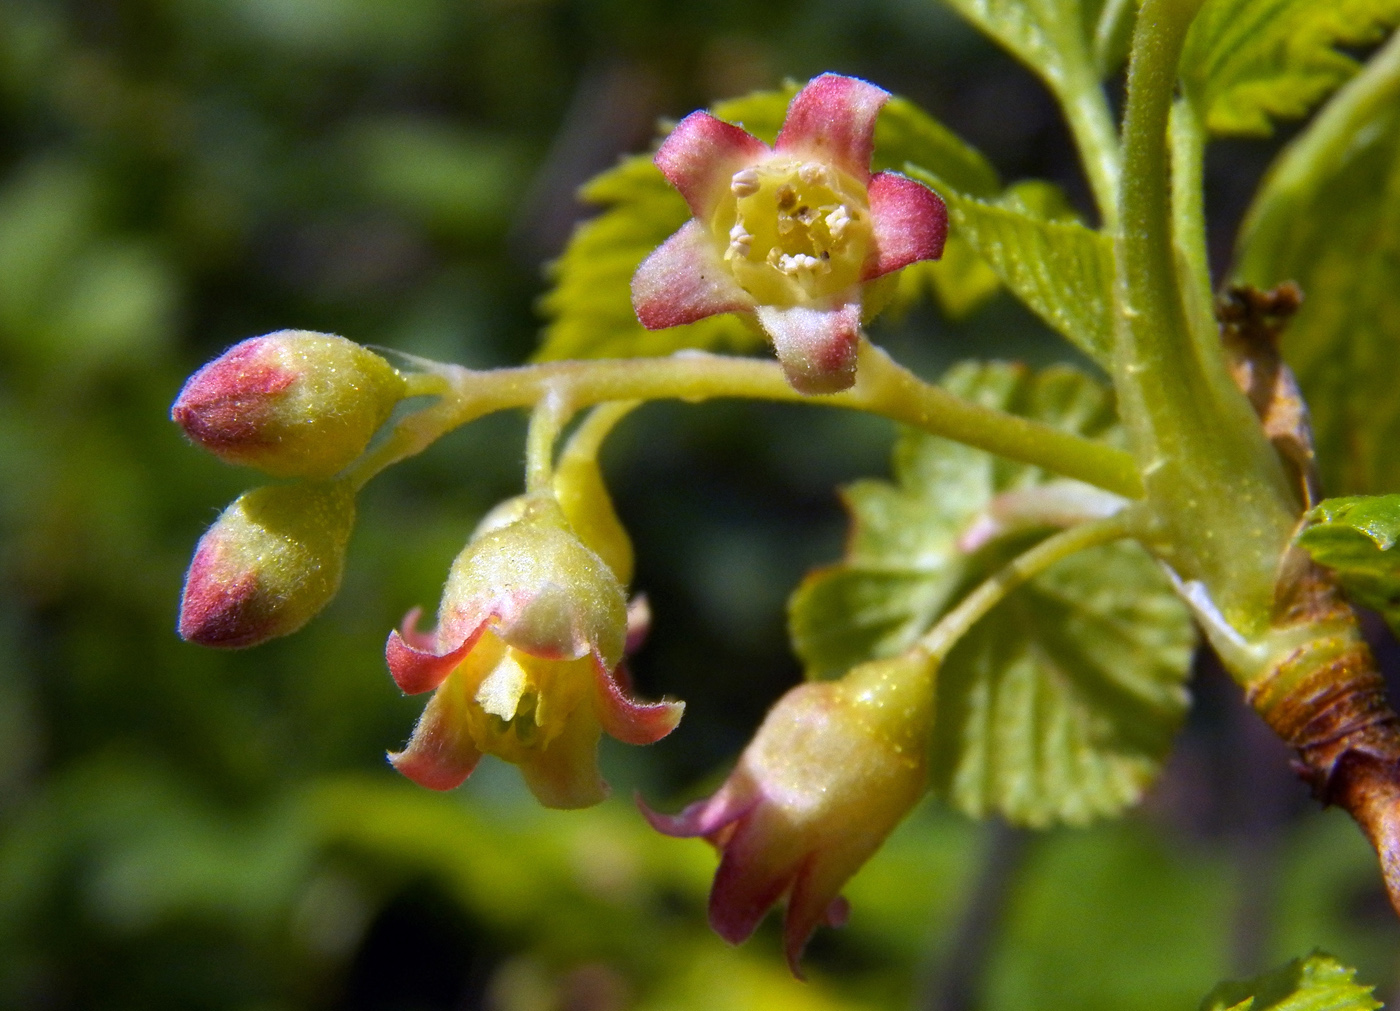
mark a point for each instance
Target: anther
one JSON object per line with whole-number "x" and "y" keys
{"x": 744, "y": 183}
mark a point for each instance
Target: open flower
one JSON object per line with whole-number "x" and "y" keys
{"x": 523, "y": 663}
{"x": 834, "y": 767}
{"x": 790, "y": 233}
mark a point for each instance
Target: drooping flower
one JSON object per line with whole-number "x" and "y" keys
{"x": 790, "y": 233}
{"x": 524, "y": 662}
{"x": 270, "y": 562}
{"x": 292, "y": 403}
{"x": 834, "y": 767}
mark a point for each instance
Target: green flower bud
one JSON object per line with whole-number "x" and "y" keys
{"x": 291, "y": 403}
{"x": 270, "y": 562}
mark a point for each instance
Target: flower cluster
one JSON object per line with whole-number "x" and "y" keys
{"x": 790, "y": 234}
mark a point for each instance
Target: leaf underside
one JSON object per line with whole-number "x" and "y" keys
{"x": 1249, "y": 62}
{"x": 1357, "y": 538}
{"x": 1061, "y": 704}
{"x": 1328, "y": 218}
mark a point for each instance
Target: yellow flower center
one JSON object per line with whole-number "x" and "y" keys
{"x": 519, "y": 702}
{"x": 793, "y": 231}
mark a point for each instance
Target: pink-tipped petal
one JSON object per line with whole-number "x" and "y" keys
{"x": 628, "y": 720}
{"x": 910, "y": 223}
{"x": 817, "y": 347}
{"x": 684, "y": 279}
{"x": 441, "y": 753}
{"x": 417, "y": 670}
{"x": 703, "y": 818}
{"x": 702, "y": 154}
{"x": 413, "y": 635}
{"x": 746, "y": 885}
{"x": 832, "y": 119}
{"x": 809, "y": 906}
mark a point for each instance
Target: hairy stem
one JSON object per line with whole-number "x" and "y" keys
{"x": 882, "y": 387}
{"x": 1224, "y": 509}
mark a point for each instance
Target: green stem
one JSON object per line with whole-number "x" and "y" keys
{"x": 1091, "y": 125}
{"x": 1188, "y": 155}
{"x": 1224, "y": 509}
{"x": 940, "y": 640}
{"x": 547, "y": 420}
{"x": 882, "y": 387}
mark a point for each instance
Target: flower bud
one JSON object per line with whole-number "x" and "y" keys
{"x": 270, "y": 562}
{"x": 291, "y": 403}
{"x": 834, "y": 768}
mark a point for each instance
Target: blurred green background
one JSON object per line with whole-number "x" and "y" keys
{"x": 190, "y": 829}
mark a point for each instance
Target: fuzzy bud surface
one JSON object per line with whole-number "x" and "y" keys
{"x": 291, "y": 403}
{"x": 270, "y": 562}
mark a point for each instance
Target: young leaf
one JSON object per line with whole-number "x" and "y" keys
{"x": 590, "y": 305}
{"x": 1061, "y": 704}
{"x": 1060, "y": 269}
{"x": 1249, "y": 61}
{"x": 1328, "y": 217}
{"x": 1052, "y": 38}
{"x": 1356, "y": 537}
{"x": 1316, "y": 983}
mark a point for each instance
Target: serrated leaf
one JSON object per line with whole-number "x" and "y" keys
{"x": 1248, "y": 62}
{"x": 1316, "y": 983}
{"x": 1328, "y": 217}
{"x": 1060, "y": 269}
{"x": 590, "y": 305}
{"x": 1061, "y": 704}
{"x": 1356, "y": 537}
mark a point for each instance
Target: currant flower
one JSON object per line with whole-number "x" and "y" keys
{"x": 524, "y": 662}
{"x": 792, "y": 233}
{"x": 834, "y": 768}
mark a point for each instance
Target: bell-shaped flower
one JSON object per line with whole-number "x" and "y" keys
{"x": 271, "y": 561}
{"x": 834, "y": 767}
{"x": 791, "y": 233}
{"x": 524, "y": 662}
{"x": 292, "y": 403}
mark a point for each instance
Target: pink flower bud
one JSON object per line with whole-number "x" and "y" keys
{"x": 524, "y": 662}
{"x": 291, "y": 403}
{"x": 270, "y": 562}
{"x": 793, "y": 234}
{"x": 834, "y": 767}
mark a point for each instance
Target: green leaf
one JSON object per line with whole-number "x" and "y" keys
{"x": 1061, "y": 704}
{"x": 1356, "y": 537}
{"x": 1247, "y": 62}
{"x": 1060, "y": 269}
{"x": 1316, "y": 983}
{"x": 589, "y": 306}
{"x": 1328, "y": 217}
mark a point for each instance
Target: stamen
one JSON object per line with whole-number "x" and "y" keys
{"x": 499, "y": 692}
{"x": 837, "y": 221}
{"x": 740, "y": 241}
{"x": 812, "y": 173}
{"x": 744, "y": 183}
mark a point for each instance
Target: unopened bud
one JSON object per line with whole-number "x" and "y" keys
{"x": 291, "y": 403}
{"x": 270, "y": 562}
